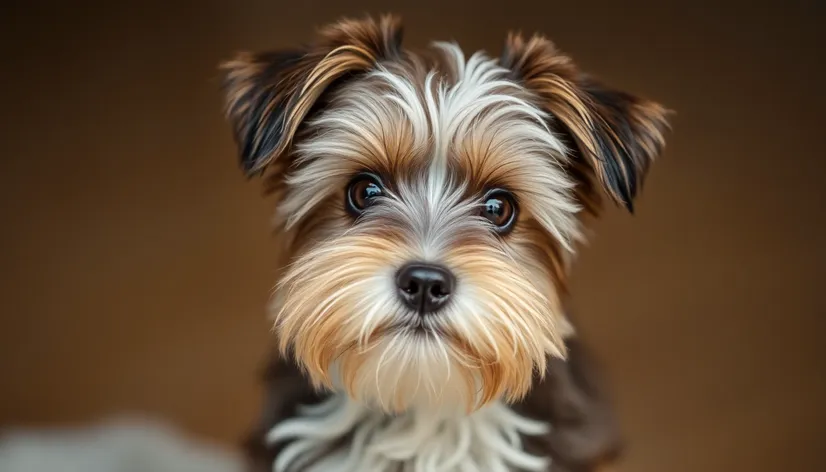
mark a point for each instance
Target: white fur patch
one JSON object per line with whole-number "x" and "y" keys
{"x": 485, "y": 441}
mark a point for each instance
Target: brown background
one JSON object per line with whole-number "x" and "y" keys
{"x": 136, "y": 260}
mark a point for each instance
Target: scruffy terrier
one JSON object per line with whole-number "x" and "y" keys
{"x": 429, "y": 206}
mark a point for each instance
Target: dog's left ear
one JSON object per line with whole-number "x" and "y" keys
{"x": 615, "y": 135}
{"x": 269, "y": 95}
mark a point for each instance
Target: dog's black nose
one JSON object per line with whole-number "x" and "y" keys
{"x": 424, "y": 287}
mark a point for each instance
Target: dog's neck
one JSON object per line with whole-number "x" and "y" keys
{"x": 344, "y": 435}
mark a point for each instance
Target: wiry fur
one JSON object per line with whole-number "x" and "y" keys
{"x": 439, "y": 129}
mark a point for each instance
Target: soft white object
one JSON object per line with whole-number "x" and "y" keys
{"x": 112, "y": 446}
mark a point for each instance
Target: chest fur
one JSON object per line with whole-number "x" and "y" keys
{"x": 341, "y": 435}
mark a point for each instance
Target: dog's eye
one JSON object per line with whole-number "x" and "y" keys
{"x": 362, "y": 192}
{"x": 500, "y": 209}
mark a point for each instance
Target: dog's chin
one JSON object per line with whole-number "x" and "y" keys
{"x": 422, "y": 366}
{"x": 413, "y": 366}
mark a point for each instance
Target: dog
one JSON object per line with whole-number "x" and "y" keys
{"x": 429, "y": 208}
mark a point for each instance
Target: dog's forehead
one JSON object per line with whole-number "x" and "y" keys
{"x": 426, "y": 117}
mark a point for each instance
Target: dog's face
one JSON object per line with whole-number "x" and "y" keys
{"x": 430, "y": 204}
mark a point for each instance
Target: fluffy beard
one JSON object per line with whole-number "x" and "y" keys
{"x": 336, "y": 312}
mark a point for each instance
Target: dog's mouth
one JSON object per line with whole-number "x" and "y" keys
{"x": 415, "y": 327}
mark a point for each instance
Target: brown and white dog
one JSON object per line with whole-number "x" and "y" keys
{"x": 429, "y": 207}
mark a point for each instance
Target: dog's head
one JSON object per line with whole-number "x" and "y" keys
{"x": 430, "y": 204}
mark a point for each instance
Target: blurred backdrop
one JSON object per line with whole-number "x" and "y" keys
{"x": 136, "y": 260}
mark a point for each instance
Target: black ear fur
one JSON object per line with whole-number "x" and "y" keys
{"x": 255, "y": 108}
{"x": 629, "y": 136}
{"x": 269, "y": 95}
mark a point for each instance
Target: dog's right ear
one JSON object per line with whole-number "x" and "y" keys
{"x": 268, "y": 95}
